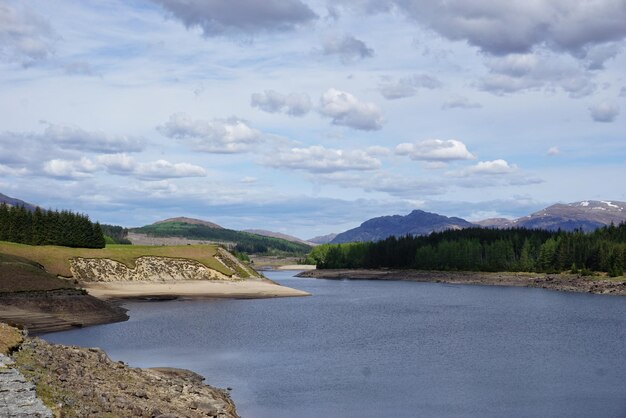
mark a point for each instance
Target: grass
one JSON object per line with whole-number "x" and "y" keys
{"x": 9, "y": 338}
{"x": 56, "y": 259}
{"x": 18, "y": 274}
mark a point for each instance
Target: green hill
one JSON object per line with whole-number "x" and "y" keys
{"x": 244, "y": 242}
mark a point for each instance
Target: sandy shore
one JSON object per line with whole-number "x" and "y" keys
{"x": 296, "y": 267}
{"x": 562, "y": 282}
{"x": 197, "y": 289}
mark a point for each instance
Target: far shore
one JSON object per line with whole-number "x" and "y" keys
{"x": 562, "y": 282}
{"x": 190, "y": 289}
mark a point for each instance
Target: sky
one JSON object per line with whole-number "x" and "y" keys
{"x": 308, "y": 117}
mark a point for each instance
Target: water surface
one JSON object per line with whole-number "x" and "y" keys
{"x": 396, "y": 349}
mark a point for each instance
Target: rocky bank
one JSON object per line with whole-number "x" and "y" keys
{"x": 71, "y": 381}
{"x": 562, "y": 282}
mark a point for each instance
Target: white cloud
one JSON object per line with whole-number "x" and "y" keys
{"x": 220, "y": 136}
{"x": 319, "y": 159}
{"x": 6, "y": 170}
{"x": 346, "y": 110}
{"x": 460, "y": 102}
{"x": 25, "y": 37}
{"x": 395, "y": 185}
{"x": 70, "y": 137}
{"x": 122, "y": 164}
{"x": 604, "y": 112}
{"x": 217, "y": 17}
{"x": 407, "y": 87}
{"x": 435, "y": 150}
{"x": 293, "y": 104}
{"x": 348, "y": 48}
{"x": 537, "y": 71}
{"x": 68, "y": 169}
{"x": 552, "y": 151}
{"x": 492, "y": 167}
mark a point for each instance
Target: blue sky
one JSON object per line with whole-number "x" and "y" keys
{"x": 309, "y": 117}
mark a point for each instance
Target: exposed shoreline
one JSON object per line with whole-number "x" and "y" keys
{"x": 560, "y": 282}
{"x": 190, "y": 289}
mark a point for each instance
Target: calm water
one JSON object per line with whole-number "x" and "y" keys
{"x": 389, "y": 349}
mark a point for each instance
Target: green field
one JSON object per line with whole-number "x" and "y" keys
{"x": 56, "y": 259}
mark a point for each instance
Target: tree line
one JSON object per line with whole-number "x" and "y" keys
{"x": 49, "y": 227}
{"x": 480, "y": 249}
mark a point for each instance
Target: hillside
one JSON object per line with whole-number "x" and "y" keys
{"x": 191, "y": 221}
{"x": 587, "y": 215}
{"x": 11, "y": 201}
{"x": 56, "y": 260}
{"x": 417, "y": 222}
{"x": 237, "y": 240}
{"x": 322, "y": 239}
{"x": 273, "y": 234}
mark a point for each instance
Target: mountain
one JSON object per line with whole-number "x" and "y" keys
{"x": 190, "y": 221}
{"x": 180, "y": 231}
{"x": 587, "y": 215}
{"x": 11, "y": 201}
{"x": 272, "y": 234}
{"x": 417, "y": 222}
{"x": 323, "y": 239}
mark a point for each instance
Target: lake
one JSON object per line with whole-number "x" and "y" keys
{"x": 388, "y": 349}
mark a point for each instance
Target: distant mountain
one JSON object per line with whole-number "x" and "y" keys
{"x": 186, "y": 230}
{"x": 587, "y": 215}
{"x": 323, "y": 239}
{"x": 190, "y": 221}
{"x": 11, "y": 201}
{"x": 272, "y": 234}
{"x": 417, "y": 222}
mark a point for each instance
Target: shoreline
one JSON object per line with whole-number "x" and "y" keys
{"x": 190, "y": 289}
{"x": 560, "y": 282}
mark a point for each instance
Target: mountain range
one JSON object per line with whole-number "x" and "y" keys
{"x": 586, "y": 215}
{"x": 417, "y": 222}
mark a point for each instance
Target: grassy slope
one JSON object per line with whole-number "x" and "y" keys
{"x": 18, "y": 274}
{"x": 56, "y": 259}
{"x": 203, "y": 232}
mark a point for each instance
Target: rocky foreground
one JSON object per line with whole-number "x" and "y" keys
{"x": 562, "y": 282}
{"x": 83, "y": 382}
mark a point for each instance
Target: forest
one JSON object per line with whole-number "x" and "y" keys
{"x": 49, "y": 227}
{"x": 481, "y": 249}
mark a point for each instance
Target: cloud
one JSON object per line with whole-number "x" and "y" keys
{"x": 501, "y": 28}
{"x": 318, "y": 159}
{"x": 460, "y": 102}
{"x": 348, "y": 48}
{"x": 407, "y": 87}
{"x": 435, "y": 150}
{"x": 25, "y": 37}
{"x": 604, "y": 112}
{"x": 220, "y": 136}
{"x": 293, "y": 104}
{"x": 70, "y": 170}
{"x": 394, "y": 185}
{"x": 492, "y": 167}
{"x": 70, "y": 137}
{"x": 6, "y": 170}
{"x": 80, "y": 68}
{"x": 535, "y": 71}
{"x": 622, "y": 92}
{"x": 248, "y": 17}
{"x": 124, "y": 165}
{"x": 346, "y": 110}
{"x": 552, "y": 151}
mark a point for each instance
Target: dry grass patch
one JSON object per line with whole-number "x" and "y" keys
{"x": 9, "y": 338}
